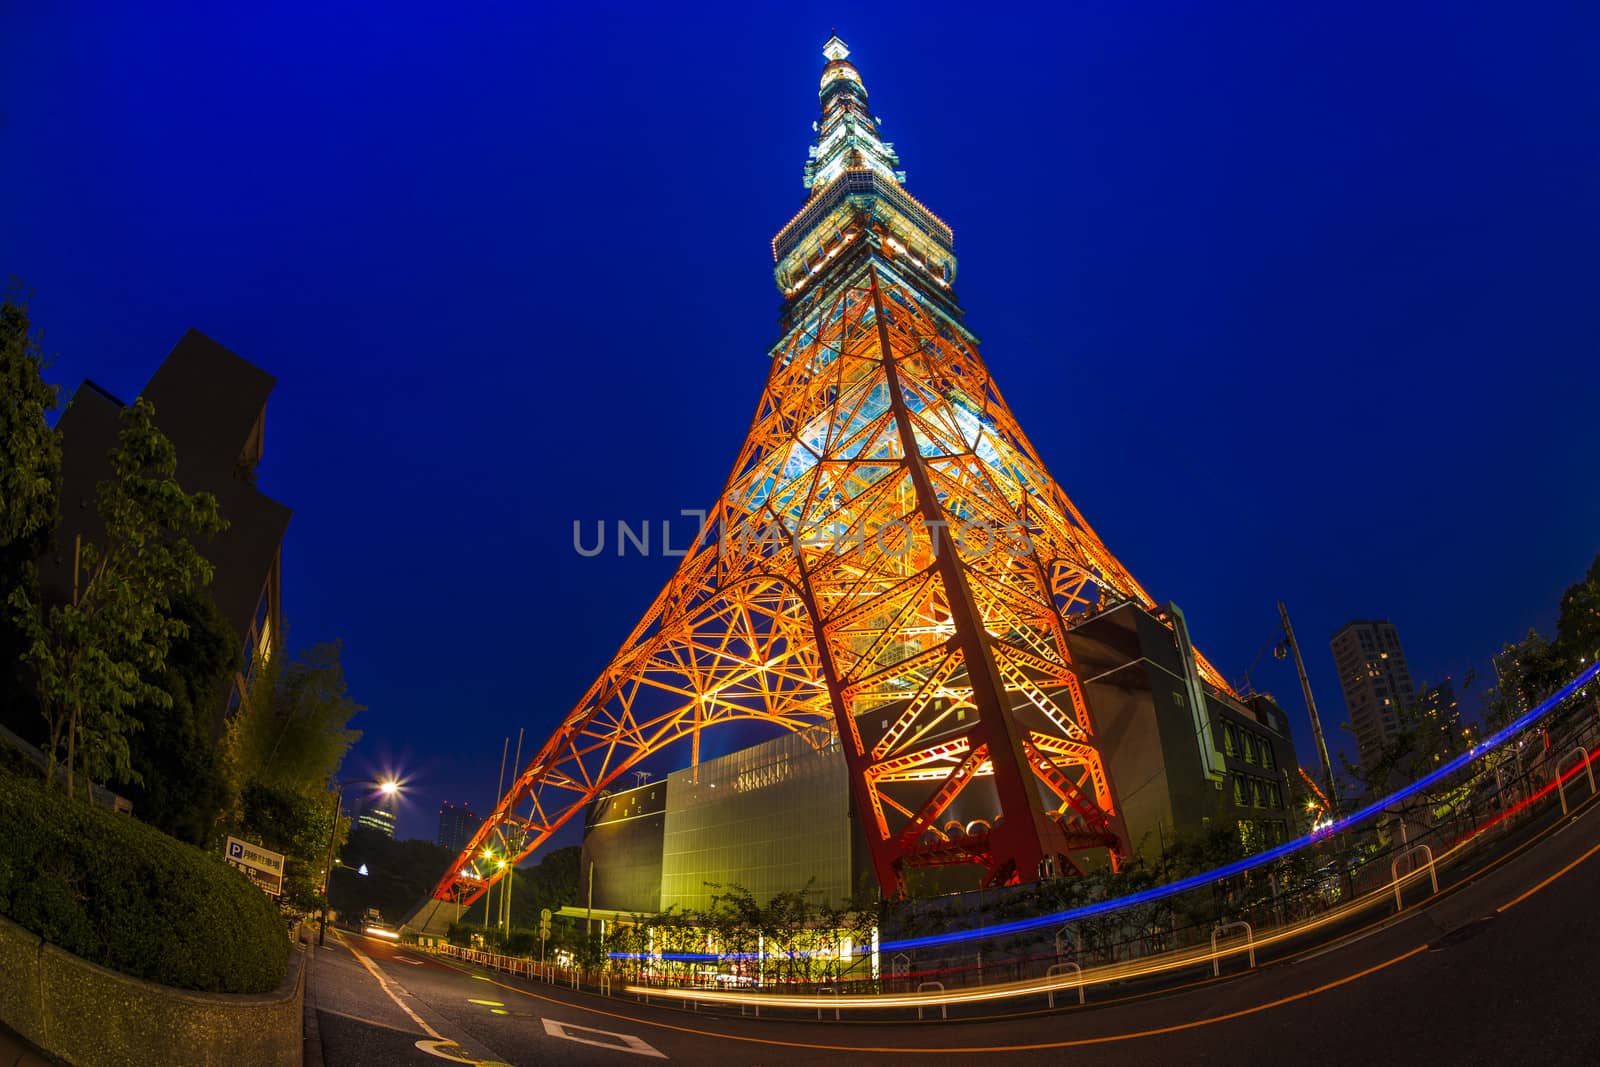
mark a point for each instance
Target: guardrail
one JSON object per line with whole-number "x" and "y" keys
{"x": 1561, "y": 783}
{"x": 1311, "y": 907}
{"x": 923, "y": 987}
{"x": 1249, "y": 941}
{"x": 1063, "y": 968}
{"x": 1394, "y": 872}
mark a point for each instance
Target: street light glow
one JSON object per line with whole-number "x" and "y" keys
{"x": 389, "y": 788}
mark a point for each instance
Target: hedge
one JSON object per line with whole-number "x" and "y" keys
{"x": 124, "y": 895}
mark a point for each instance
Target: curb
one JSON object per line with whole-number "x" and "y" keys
{"x": 311, "y": 1027}
{"x": 17, "y": 1052}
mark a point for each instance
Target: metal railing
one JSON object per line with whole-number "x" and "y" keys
{"x": 1471, "y": 814}
{"x": 1249, "y": 943}
{"x": 1063, "y": 968}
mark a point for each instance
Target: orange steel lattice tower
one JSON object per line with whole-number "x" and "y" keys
{"x": 889, "y": 555}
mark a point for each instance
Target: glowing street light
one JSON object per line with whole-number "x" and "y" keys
{"x": 388, "y": 787}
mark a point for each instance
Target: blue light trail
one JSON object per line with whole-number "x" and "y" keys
{"x": 1193, "y": 881}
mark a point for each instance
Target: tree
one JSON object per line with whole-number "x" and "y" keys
{"x": 184, "y": 789}
{"x": 1577, "y": 641}
{"x": 296, "y": 824}
{"x": 93, "y": 657}
{"x": 1526, "y": 672}
{"x": 292, "y": 731}
{"x": 398, "y": 875}
{"x": 30, "y": 475}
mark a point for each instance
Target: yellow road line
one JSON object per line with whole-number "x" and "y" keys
{"x": 1514, "y": 901}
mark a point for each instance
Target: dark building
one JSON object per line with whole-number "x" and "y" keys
{"x": 1376, "y": 682}
{"x": 212, "y": 405}
{"x": 457, "y": 824}
{"x": 623, "y": 834}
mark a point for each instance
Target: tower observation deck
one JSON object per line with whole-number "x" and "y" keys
{"x": 889, "y": 556}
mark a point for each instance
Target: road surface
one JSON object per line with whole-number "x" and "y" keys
{"x": 1501, "y": 970}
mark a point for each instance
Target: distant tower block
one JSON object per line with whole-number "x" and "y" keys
{"x": 889, "y": 554}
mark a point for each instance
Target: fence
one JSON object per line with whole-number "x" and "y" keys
{"x": 1337, "y": 882}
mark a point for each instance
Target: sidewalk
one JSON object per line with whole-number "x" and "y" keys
{"x": 16, "y": 1052}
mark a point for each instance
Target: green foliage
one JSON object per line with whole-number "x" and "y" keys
{"x": 1427, "y": 735}
{"x": 30, "y": 450}
{"x": 292, "y": 731}
{"x": 94, "y": 656}
{"x": 30, "y": 475}
{"x": 183, "y": 788}
{"x": 295, "y": 824}
{"x": 554, "y": 883}
{"x": 281, "y": 749}
{"x": 1578, "y": 630}
{"x": 399, "y": 873}
{"x": 1537, "y": 666}
{"x": 122, "y": 894}
{"x": 460, "y": 934}
{"x": 1527, "y": 672}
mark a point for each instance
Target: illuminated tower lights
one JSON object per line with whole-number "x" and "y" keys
{"x": 941, "y": 662}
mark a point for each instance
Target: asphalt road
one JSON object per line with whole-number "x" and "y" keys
{"x": 1501, "y": 970}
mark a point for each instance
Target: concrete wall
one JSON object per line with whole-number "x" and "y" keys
{"x": 88, "y": 1015}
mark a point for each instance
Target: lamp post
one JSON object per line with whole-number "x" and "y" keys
{"x": 388, "y": 787}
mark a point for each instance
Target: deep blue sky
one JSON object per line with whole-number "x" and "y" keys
{"x": 1295, "y": 303}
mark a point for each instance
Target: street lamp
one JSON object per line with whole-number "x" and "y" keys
{"x": 388, "y": 787}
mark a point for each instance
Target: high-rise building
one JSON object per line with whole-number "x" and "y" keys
{"x": 457, "y": 824}
{"x": 1376, "y": 682}
{"x": 1439, "y": 717}
{"x": 378, "y": 814}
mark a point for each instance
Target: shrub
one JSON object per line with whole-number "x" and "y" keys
{"x": 116, "y": 892}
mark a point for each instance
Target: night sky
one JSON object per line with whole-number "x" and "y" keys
{"x": 1295, "y": 303}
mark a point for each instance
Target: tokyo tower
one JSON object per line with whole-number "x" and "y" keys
{"x": 888, "y": 555}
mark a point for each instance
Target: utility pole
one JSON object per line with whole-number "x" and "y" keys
{"x": 489, "y": 914}
{"x": 511, "y": 864}
{"x": 1311, "y": 709}
{"x": 589, "y": 916}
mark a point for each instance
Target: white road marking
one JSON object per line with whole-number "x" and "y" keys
{"x": 636, "y": 1045}
{"x": 408, "y": 959}
{"x": 438, "y": 1048}
{"x": 439, "y": 1043}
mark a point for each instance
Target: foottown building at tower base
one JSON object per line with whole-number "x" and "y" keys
{"x": 775, "y": 817}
